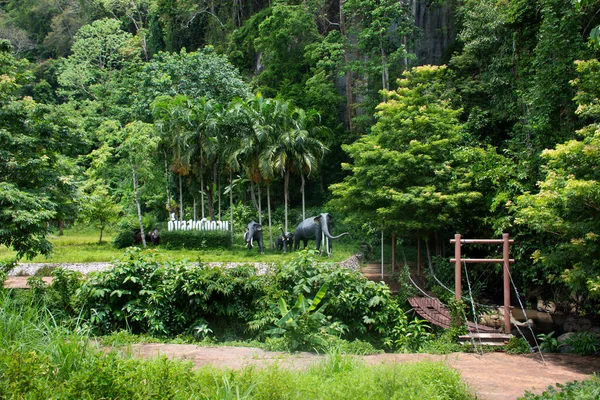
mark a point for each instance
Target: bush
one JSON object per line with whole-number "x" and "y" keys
{"x": 584, "y": 390}
{"x": 39, "y": 360}
{"x": 196, "y": 239}
{"x": 365, "y": 309}
{"x": 145, "y": 296}
{"x": 583, "y": 343}
{"x": 124, "y": 239}
{"x": 517, "y": 345}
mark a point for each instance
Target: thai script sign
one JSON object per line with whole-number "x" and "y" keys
{"x": 193, "y": 225}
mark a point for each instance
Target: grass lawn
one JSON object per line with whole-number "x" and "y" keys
{"x": 77, "y": 245}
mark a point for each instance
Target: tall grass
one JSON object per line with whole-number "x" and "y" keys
{"x": 41, "y": 359}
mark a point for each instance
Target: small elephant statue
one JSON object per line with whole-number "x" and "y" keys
{"x": 284, "y": 241}
{"x": 254, "y": 233}
{"x": 155, "y": 237}
{"x": 316, "y": 228}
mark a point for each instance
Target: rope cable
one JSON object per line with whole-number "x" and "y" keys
{"x": 526, "y": 319}
{"x": 472, "y": 302}
{"x": 410, "y": 278}
{"x": 442, "y": 284}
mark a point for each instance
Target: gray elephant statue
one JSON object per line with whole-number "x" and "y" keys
{"x": 254, "y": 233}
{"x": 284, "y": 241}
{"x": 316, "y": 228}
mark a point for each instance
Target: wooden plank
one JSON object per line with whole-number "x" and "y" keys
{"x": 438, "y": 314}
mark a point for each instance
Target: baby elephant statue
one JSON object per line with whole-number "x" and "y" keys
{"x": 316, "y": 228}
{"x": 284, "y": 241}
{"x": 155, "y": 237}
{"x": 254, "y": 233}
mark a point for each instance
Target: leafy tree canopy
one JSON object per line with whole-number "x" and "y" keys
{"x": 566, "y": 208}
{"x": 202, "y": 74}
{"x": 408, "y": 175}
{"x": 36, "y": 179}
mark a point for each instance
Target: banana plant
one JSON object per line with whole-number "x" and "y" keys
{"x": 304, "y": 325}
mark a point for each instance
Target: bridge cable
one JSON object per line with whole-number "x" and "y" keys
{"x": 473, "y": 310}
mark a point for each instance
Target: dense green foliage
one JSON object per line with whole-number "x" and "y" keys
{"x": 584, "y": 390}
{"x": 40, "y": 359}
{"x": 176, "y": 298}
{"x": 193, "y": 108}
{"x": 196, "y": 239}
{"x": 411, "y": 174}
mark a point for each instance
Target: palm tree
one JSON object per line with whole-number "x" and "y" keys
{"x": 173, "y": 115}
{"x": 294, "y": 150}
{"x": 256, "y": 113}
{"x": 310, "y": 155}
{"x": 205, "y": 149}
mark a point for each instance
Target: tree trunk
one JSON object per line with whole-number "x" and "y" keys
{"x": 393, "y": 254}
{"x": 419, "y": 256}
{"x": 231, "y": 204}
{"x": 269, "y": 212}
{"x": 385, "y": 75}
{"x": 202, "y": 183}
{"x": 210, "y": 198}
{"x": 180, "y": 198}
{"x": 286, "y": 183}
{"x": 348, "y": 73}
{"x": 194, "y": 208}
{"x": 405, "y": 53}
{"x": 100, "y": 241}
{"x": 302, "y": 191}
{"x": 259, "y": 205}
{"x": 202, "y": 195}
{"x": 219, "y": 194}
{"x": 61, "y": 227}
{"x": 167, "y": 182}
{"x": 137, "y": 203}
{"x": 253, "y": 195}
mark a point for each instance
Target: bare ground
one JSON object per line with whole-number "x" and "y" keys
{"x": 492, "y": 376}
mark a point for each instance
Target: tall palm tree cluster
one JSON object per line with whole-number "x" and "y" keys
{"x": 259, "y": 138}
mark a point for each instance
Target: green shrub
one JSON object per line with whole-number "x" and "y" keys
{"x": 62, "y": 291}
{"x": 366, "y": 309}
{"x": 584, "y": 390}
{"x": 583, "y": 343}
{"x": 548, "y": 343}
{"x": 445, "y": 341}
{"x": 39, "y": 359}
{"x": 517, "y": 345}
{"x": 196, "y": 239}
{"x": 145, "y": 296}
{"x": 123, "y": 239}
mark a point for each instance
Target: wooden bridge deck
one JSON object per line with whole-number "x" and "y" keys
{"x": 437, "y": 313}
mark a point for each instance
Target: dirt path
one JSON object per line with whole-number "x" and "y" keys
{"x": 493, "y": 376}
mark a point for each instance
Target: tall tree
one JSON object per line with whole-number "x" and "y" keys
{"x": 127, "y": 150}
{"x": 566, "y": 207}
{"x": 36, "y": 177}
{"x": 410, "y": 175}
{"x": 173, "y": 117}
{"x": 293, "y": 149}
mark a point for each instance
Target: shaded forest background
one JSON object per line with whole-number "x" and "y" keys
{"x": 419, "y": 118}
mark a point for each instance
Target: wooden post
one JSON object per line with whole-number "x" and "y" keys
{"x": 505, "y": 245}
{"x": 457, "y": 267}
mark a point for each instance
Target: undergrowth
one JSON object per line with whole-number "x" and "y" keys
{"x": 40, "y": 359}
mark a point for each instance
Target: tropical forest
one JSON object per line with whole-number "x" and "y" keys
{"x": 287, "y": 176}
